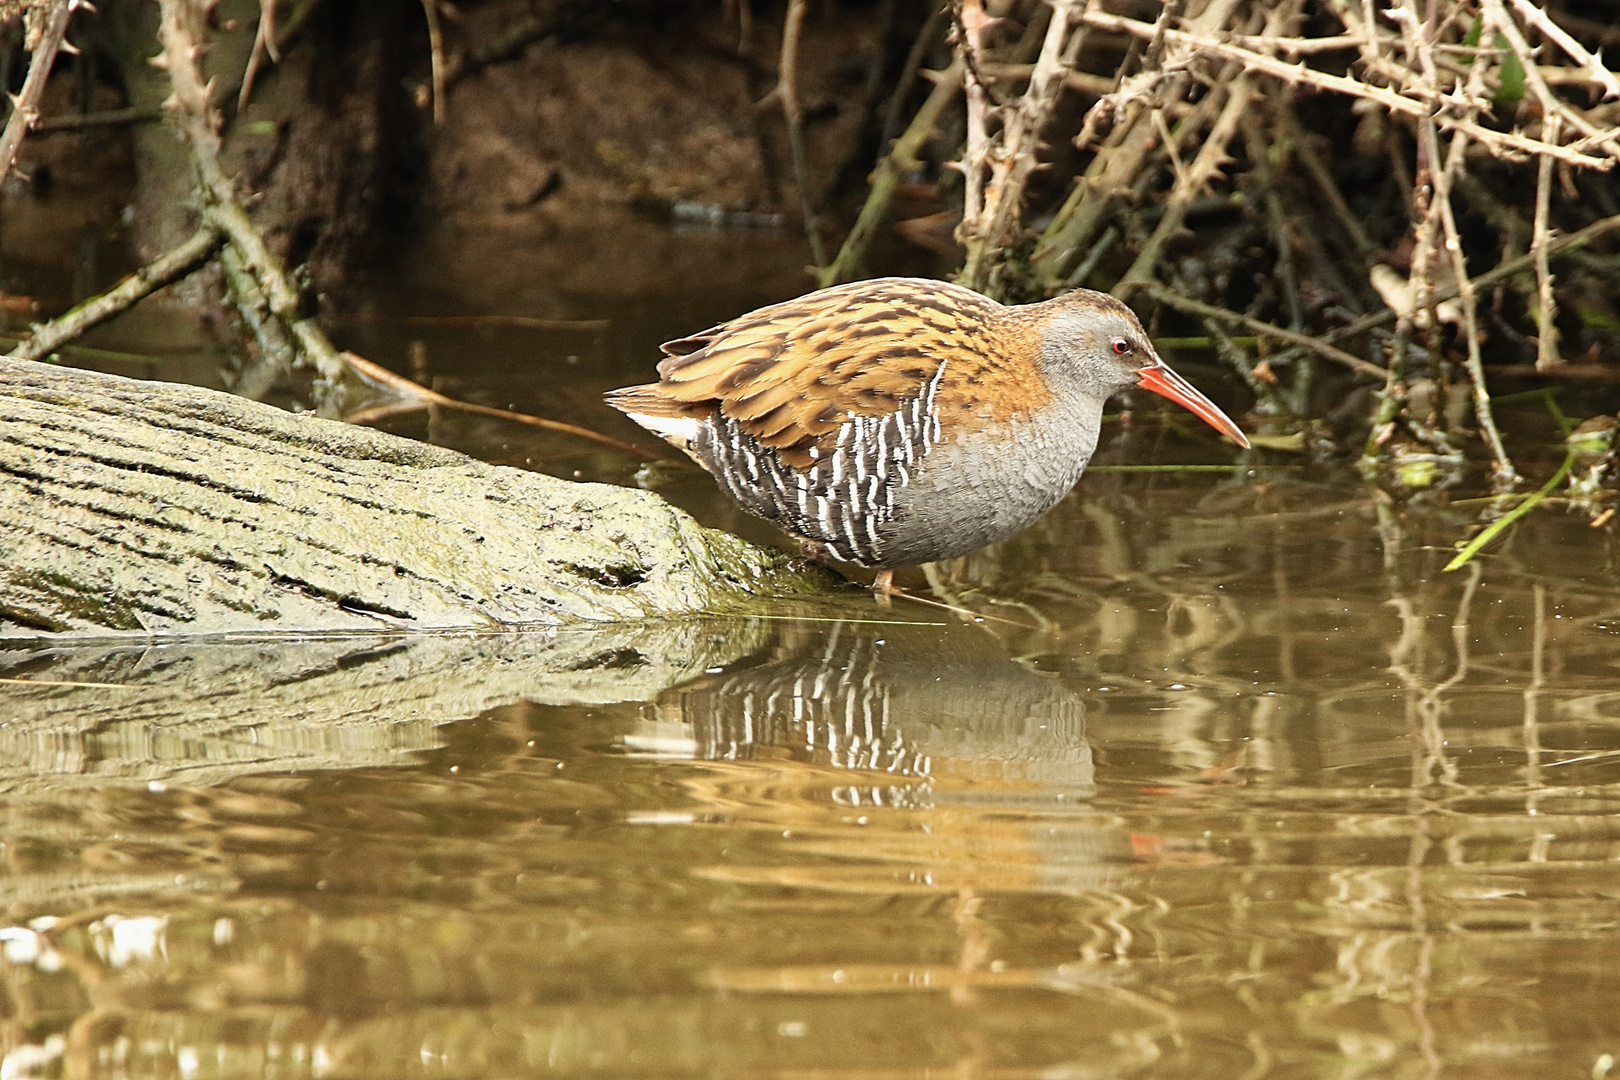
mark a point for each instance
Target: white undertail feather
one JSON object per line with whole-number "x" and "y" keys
{"x": 679, "y": 431}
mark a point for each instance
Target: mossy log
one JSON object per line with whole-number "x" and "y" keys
{"x": 152, "y": 508}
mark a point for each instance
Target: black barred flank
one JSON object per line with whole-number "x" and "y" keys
{"x": 846, "y": 499}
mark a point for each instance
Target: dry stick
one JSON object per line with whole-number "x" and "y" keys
{"x": 745, "y": 22}
{"x": 25, "y": 106}
{"x": 277, "y": 35}
{"x": 1503, "y": 474}
{"x": 50, "y": 336}
{"x": 1012, "y": 154}
{"x": 971, "y": 23}
{"x": 1426, "y": 202}
{"x": 420, "y": 397}
{"x": 1120, "y": 160}
{"x": 430, "y": 8}
{"x": 901, "y": 159}
{"x": 277, "y": 353}
{"x": 1166, "y": 295}
{"x": 1546, "y": 307}
{"x": 519, "y": 35}
{"x": 264, "y": 42}
{"x": 787, "y": 95}
{"x": 1108, "y": 176}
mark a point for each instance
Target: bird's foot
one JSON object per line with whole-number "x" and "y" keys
{"x": 883, "y": 586}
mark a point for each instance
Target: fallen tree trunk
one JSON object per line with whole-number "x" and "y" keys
{"x": 146, "y": 508}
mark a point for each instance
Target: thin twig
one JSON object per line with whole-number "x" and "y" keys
{"x": 46, "y": 125}
{"x": 1166, "y": 295}
{"x": 1506, "y": 143}
{"x": 1443, "y": 174}
{"x": 971, "y": 25}
{"x": 180, "y": 30}
{"x": 1551, "y": 104}
{"x": 1204, "y": 169}
{"x": 787, "y": 95}
{"x": 518, "y": 35}
{"x": 1119, "y": 162}
{"x": 1589, "y": 63}
{"x": 276, "y": 351}
{"x": 264, "y": 43}
{"x": 1426, "y": 200}
{"x": 171, "y": 266}
{"x": 25, "y": 107}
{"x": 418, "y": 396}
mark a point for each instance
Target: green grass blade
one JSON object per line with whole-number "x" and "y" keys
{"x": 1495, "y": 528}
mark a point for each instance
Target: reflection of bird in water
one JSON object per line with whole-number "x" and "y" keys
{"x": 919, "y": 719}
{"x": 902, "y": 421}
{"x": 918, "y": 702}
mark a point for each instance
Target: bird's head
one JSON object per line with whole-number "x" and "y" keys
{"x": 1097, "y": 345}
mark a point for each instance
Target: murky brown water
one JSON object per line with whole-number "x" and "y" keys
{"x": 1225, "y": 779}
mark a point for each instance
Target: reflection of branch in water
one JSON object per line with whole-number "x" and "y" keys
{"x": 1532, "y": 722}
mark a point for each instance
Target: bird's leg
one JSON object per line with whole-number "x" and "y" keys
{"x": 883, "y": 585}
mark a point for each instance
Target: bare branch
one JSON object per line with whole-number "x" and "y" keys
{"x": 1589, "y": 63}
{"x": 1421, "y": 102}
{"x": 25, "y": 107}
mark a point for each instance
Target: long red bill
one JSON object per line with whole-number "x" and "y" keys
{"x": 1166, "y": 383}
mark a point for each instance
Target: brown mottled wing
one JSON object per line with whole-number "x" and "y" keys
{"x": 792, "y": 373}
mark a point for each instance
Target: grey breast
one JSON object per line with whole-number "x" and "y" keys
{"x": 975, "y": 492}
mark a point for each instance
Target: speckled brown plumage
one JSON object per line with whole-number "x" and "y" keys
{"x": 901, "y": 420}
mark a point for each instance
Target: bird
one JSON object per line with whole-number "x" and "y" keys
{"x": 898, "y": 421}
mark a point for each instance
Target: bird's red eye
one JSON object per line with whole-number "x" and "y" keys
{"x": 1122, "y": 346}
